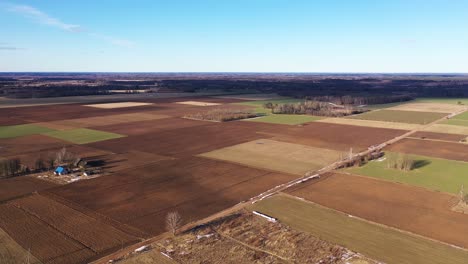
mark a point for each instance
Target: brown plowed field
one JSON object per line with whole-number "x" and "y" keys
{"x": 405, "y": 207}
{"x": 182, "y": 142}
{"x": 195, "y": 187}
{"x": 18, "y": 186}
{"x": 145, "y": 127}
{"x": 48, "y": 113}
{"x": 88, "y": 231}
{"x": 123, "y": 161}
{"x": 56, "y": 233}
{"x": 45, "y": 243}
{"x": 334, "y": 136}
{"x": 437, "y": 149}
{"x": 438, "y": 136}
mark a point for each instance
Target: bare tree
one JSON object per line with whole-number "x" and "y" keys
{"x": 173, "y": 222}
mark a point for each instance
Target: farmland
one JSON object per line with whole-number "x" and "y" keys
{"x": 285, "y": 119}
{"x": 22, "y": 130}
{"x": 276, "y": 155}
{"x": 151, "y": 161}
{"x": 375, "y": 241}
{"x": 436, "y": 149}
{"x": 400, "y": 206}
{"x": 433, "y": 173}
{"x": 83, "y": 135}
{"x": 411, "y": 117}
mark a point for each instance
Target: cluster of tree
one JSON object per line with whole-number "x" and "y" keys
{"x": 362, "y": 100}
{"x": 401, "y": 162}
{"x": 11, "y": 167}
{"x": 314, "y": 108}
{"x": 221, "y": 115}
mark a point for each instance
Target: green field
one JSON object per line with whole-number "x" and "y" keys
{"x": 285, "y": 119}
{"x": 464, "y": 101}
{"x": 375, "y": 241}
{"x": 259, "y": 109}
{"x": 22, "y": 130}
{"x": 434, "y": 174}
{"x": 410, "y": 117}
{"x": 456, "y": 122}
{"x": 382, "y": 106}
{"x": 83, "y": 135}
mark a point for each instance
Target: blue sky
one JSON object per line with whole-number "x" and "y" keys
{"x": 234, "y": 36}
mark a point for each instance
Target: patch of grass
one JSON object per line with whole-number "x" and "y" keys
{"x": 383, "y": 106}
{"x": 375, "y": 241}
{"x": 462, "y": 116}
{"x": 411, "y": 117}
{"x": 83, "y": 135}
{"x": 22, "y": 130}
{"x": 456, "y": 122}
{"x": 285, "y": 119}
{"x": 431, "y": 173}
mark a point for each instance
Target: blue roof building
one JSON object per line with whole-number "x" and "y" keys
{"x": 60, "y": 170}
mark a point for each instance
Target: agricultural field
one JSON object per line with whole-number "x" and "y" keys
{"x": 83, "y": 135}
{"x": 429, "y": 107}
{"x": 331, "y": 136}
{"x": 22, "y": 130}
{"x": 146, "y": 161}
{"x": 195, "y": 187}
{"x": 436, "y": 174}
{"x": 370, "y": 123}
{"x": 375, "y": 241}
{"x": 405, "y": 207}
{"x": 12, "y": 253}
{"x": 277, "y": 156}
{"x": 452, "y": 101}
{"x": 458, "y": 120}
{"x": 118, "y": 105}
{"x": 430, "y": 148}
{"x": 438, "y": 136}
{"x": 56, "y": 233}
{"x": 399, "y": 116}
{"x": 450, "y": 129}
{"x": 285, "y": 119}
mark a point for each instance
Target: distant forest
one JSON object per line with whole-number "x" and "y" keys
{"x": 383, "y": 88}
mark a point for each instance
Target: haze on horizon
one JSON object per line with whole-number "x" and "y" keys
{"x": 234, "y": 36}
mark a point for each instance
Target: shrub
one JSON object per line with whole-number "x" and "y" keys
{"x": 221, "y": 115}
{"x": 401, "y": 162}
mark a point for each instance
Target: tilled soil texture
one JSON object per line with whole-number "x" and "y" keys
{"x": 437, "y": 149}
{"x": 183, "y": 142}
{"x": 195, "y": 187}
{"x": 334, "y": 136}
{"x": 146, "y": 127}
{"x": 47, "y": 113}
{"x": 404, "y": 207}
{"x": 438, "y": 136}
{"x": 72, "y": 230}
{"x": 22, "y": 185}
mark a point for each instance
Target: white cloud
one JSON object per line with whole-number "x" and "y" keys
{"x": 43, "y": 18}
